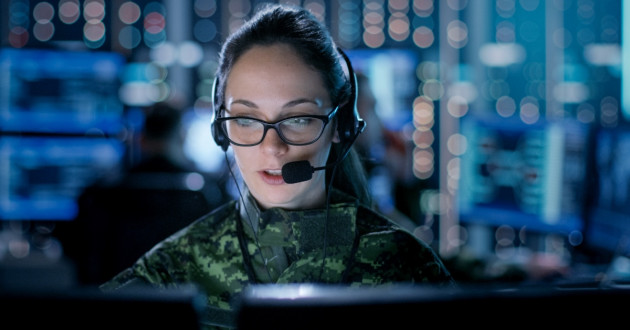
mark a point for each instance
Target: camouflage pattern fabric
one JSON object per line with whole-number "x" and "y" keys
{"x": 355, "y": 246}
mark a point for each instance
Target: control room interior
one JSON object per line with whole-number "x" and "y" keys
{"x": 496, "y": 129}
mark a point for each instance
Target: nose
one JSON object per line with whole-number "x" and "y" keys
{"x": 272, "y": 143}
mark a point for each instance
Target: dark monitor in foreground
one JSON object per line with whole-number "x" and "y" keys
{"x": 416, "y": 307}
{"x": 89, "y": 308}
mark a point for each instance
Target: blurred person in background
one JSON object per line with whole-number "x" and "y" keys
{"x": 125, "y": 214}
{"x": 385, "y": 155}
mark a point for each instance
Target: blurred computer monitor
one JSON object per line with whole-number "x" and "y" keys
{"x": 608, "y": 221}
{"x": 60, "y": 117}
{"x": 532, "y": 176}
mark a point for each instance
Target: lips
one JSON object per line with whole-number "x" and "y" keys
{"x": 272, "y": 177}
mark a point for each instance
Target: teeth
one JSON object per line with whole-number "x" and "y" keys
{"x": 274, "y": 172}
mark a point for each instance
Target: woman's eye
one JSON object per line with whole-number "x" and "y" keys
{"x": 298, "y": 121}
{"x": 245, "y": 122}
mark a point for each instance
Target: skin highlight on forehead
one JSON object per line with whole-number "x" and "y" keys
{"x": 274, "y": 77}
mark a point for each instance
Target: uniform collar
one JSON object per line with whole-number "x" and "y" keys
{"x": 302, "y": 228}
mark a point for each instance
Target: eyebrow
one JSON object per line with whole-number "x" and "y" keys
{"x": 286, "y": 105}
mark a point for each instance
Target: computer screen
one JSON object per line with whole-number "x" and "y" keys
{"x": 524, "y": 175}
{"x": 60, "y": 122}
{"x": 392, "y": 79}
{"x": 42, "y": 176}
{"x": 199, "y": 145}
{"x": 54, "y": 91}
{"x": 608, "y": 221}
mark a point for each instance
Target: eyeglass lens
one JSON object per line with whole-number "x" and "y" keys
{"x": 296, "y": 130}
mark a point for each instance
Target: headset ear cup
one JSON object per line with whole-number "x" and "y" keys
{"x": 346, "y": 122}
{"x": 217, "y": 133}
{"x": 219, "y": 137}
{"x": 350, "y": 124}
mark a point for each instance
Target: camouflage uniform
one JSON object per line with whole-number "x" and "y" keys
{"x": 361, "y": 248}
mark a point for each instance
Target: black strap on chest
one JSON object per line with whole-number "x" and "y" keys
{"x": 247, "y": 259}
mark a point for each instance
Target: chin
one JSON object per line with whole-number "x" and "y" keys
{"x": 275, "y": 198}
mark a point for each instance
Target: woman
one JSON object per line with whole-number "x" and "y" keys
{"x": 281, "y": 96}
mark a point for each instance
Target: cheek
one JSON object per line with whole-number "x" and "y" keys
{"x": 242, "y": 158}
{"x": 321, "y": 150}
{"x": 317, "y": 152}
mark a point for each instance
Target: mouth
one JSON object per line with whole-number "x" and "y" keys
{"x": 273, "y": 172}
{"x": 272, "y": 177}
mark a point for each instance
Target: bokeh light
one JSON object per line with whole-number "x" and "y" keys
{"x": 69, "y": 11}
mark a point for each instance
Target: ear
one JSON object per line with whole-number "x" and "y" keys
{"x": 336, "y": 138}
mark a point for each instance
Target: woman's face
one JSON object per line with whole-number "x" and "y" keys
{"x": 271, "y": 83}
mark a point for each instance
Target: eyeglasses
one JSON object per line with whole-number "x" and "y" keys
{"x": 296, "y": 130}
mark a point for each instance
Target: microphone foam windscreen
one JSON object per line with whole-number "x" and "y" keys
{"x": 295, "y": 172}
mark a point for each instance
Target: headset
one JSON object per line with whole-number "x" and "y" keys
{"x": 349, "y": 123}
{"x": 217, "y": 134}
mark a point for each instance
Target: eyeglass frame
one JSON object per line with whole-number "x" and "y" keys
{"x": 267, "y": 125}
